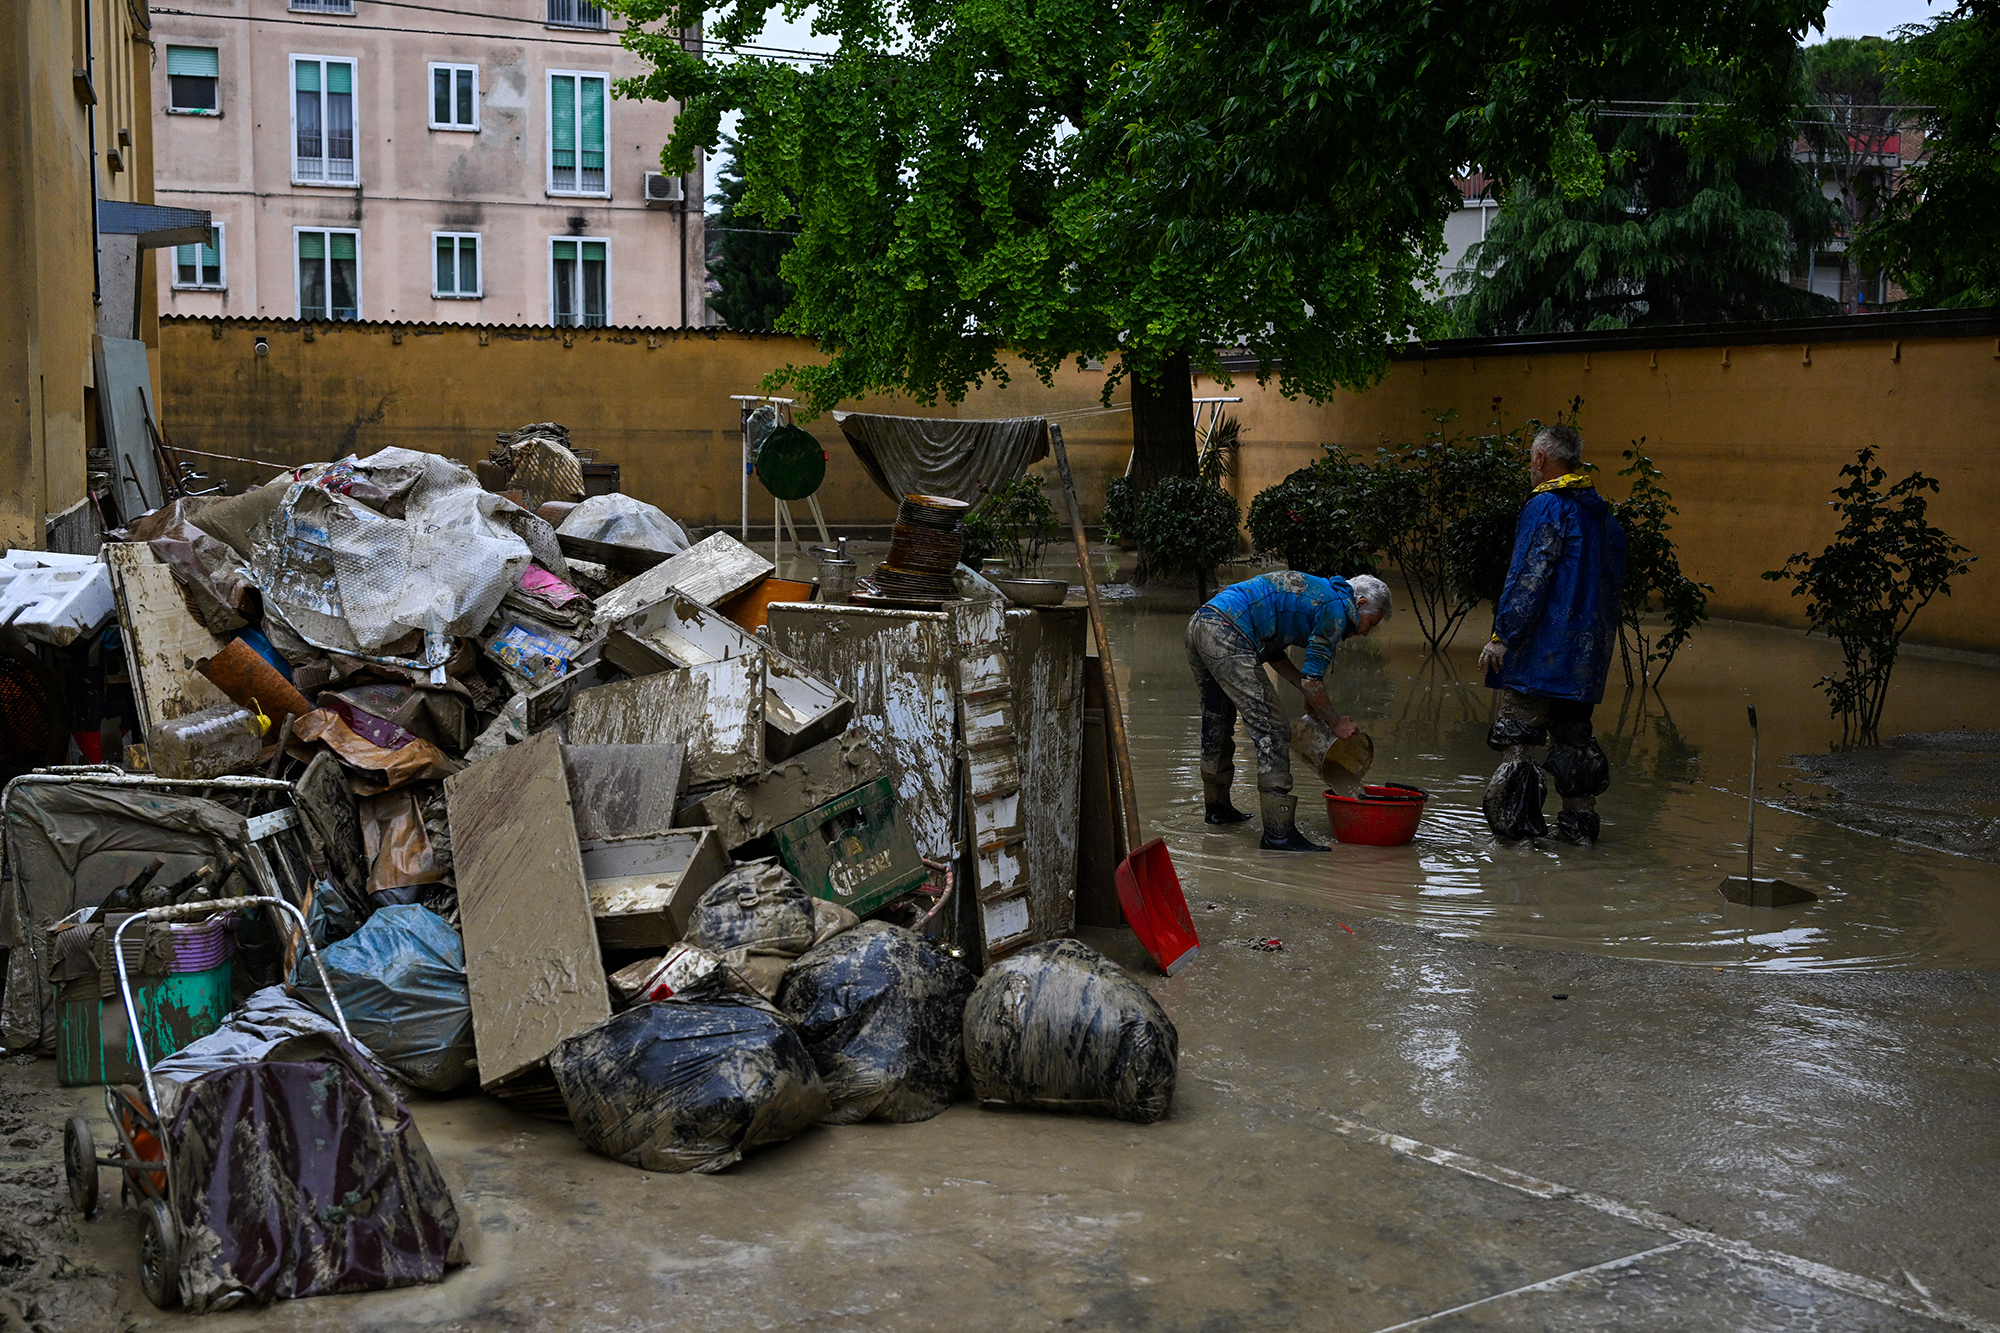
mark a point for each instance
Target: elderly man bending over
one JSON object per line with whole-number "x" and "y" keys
{"x": 1229, "y": 641}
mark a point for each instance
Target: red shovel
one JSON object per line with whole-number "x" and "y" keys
{"x": 1148, "y": 889}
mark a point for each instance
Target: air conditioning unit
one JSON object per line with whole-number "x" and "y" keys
{"x": 661, "y": 188}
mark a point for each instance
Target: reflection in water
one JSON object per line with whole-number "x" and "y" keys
{"x": 1673, "y": 819}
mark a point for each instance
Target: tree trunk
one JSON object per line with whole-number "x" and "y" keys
{"x": 1163, "y": 442}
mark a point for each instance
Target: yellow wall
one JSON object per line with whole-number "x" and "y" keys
{"x": 658, "y": 405}
{"x": 1750, "y": 449}
{"x": 47, "y": 279}
{"x": 1751, "y": 446}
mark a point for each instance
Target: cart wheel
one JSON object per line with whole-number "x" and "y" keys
{"x": 80, "y": 1164}
{"x": 160, "y": 1255}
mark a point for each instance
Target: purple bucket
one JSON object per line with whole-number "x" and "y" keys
{"x": 197, "y": 948}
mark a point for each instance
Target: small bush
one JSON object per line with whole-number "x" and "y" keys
{"x": 1186, "y": 528}
{"x": 1653, "y": 577}
{"x": 1316, "y": 520}
{"x": 1014, "y": 522}
{"x": 1118, "y": 518}
{"x": 1884, "y": 566}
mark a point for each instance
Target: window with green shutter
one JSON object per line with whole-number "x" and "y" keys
{"x": 192, "y": 76}
{"x": 329, "y": 271}
{"x": 456, "y": 268}
{"x": 577, "y": 133}
{"x": 199, "y": 266}
{"x": 579, "y": 283}
{"x": 323, "y": 129}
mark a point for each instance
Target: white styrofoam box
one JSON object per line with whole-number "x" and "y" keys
{"x": 58, "y": 604}
{"x": 45, "y": 560}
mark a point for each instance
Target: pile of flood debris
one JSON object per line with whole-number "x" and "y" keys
{"x": 560, "y": 819}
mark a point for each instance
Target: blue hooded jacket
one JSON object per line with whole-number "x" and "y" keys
{"x": 1558, "y": 614}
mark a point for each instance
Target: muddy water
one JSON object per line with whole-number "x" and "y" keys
{"x": 1673, "y": 819}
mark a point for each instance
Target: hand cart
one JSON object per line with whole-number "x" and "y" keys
{"x": 144, "y": 1145}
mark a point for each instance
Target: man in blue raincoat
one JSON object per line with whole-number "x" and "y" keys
{"x": 1553, "y": 636}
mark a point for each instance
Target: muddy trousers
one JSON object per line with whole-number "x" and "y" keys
{"x": 1575, "y": 760}
{"x": 1232, "y": 683}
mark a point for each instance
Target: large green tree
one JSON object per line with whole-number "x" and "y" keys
{"x": 1150, "y": 181}
{"x": 1678, "y": 224}
{"x": 744, "y": 254}
{"x": 1938, "y": 234}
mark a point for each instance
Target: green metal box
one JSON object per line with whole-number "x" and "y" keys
{"x": 855, "y": 850}
{"x": 94, "y": 1042}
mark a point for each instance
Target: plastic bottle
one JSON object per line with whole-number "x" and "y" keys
{"x": 206, "y": 744}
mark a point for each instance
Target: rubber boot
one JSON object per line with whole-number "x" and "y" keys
{"x": 1280, "y": 833}
{"x": 1216, "y": 808}
{"x": 1578, "y": 826}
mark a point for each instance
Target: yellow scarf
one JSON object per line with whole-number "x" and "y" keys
{"x": 1565, "y": 482}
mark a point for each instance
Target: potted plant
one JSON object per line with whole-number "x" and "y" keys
{"x": 1014, "y": 523}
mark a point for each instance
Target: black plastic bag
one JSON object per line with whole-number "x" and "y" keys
{"x": 882, "y": 1011}
{"x": 271, "y": 1160}
{"x": 1513, "y": 801}
{"x": 682, "y": 1086}
{"x": 1060, "y": 1027}
{"x": 1578, "y": 765}
{"x": 401, "y": 983}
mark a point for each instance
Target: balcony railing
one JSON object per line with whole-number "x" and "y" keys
{"x": 573, "y": 14}
{"x": 323, "y": 6}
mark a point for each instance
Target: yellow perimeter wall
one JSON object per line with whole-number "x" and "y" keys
{"x": 1750, "y": 447}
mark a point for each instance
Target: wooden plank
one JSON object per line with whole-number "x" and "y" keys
{"x": 710, "y": 571}
{"x": 163, "y": 639}
{"x": 715, "y": 710}
{"x": 531, "y": 953}
{"x": 616, "y": 791}
{"x": 1046, "y": 647}
{"x": 612, "y": 555}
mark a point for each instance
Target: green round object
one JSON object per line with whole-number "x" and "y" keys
{"x": 790, "y": 463}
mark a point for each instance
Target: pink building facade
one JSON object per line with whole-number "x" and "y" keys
{"x": 365, "y": 160}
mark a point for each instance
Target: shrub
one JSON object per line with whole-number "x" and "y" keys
{"x": 1186, "y": 528}
{"x": 1884, "y": 565}
{"x": 1316, "y": 520}
{"x": 1653, "y": 577}
{"x": 1014, "y": 522}
{"x": 1118, "y": 517}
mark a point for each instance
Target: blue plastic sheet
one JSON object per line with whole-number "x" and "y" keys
{"x": 401, "y": 983}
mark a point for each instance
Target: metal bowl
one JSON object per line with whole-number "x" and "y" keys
{"x": 1034, "y": 592}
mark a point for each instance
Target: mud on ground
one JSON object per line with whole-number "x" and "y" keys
{"x": 47, "y": 1283}
{"x": 1938, "y": 788}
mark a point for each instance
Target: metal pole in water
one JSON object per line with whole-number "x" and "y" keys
{"x": 1750, "y": 838}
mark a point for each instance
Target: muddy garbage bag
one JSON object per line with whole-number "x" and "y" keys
{"x": 270, "y": 1161}
{"x": 1513, "y": 801}
{"x": 882, "y": 1010}
{"x": 1060, "y": 1027}
{"x": 401, "y": 983}
{"x": 624, "y": 521}
{"x": 687, "y": 1086}
{"x": 759, "y": 909}
{"x": 685, "y": 972}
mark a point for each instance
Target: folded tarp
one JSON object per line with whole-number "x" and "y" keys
{"x": 936, "y": 456}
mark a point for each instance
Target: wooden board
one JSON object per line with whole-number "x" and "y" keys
{"x": 616, "y": 791}
{"x": 531, "y": 953}
{"x": 715, "y": 710}
{"x": 1046, "y": 649}
{"x": 163, "y": 639}
{"x": 624, "y": 559}
{"x": 710, "y": 571}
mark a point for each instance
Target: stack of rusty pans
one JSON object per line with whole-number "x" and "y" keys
{"x": 923, "y": 553}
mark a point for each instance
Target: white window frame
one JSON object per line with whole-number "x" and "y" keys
{"x": 549, "y": 137}
{"x": 298, "y": 307}
{"x": 479, "y": 247}
{"x": 605, "y": 241}
{"x": 430, "y": 96}
{"x": 215, "y": 110}
{"x": 221, "y": 284}
{"x": 292, "y": 115}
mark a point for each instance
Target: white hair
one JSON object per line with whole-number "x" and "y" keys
{"x": 1370, "y": 594}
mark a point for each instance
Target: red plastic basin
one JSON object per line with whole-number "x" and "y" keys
{"x": 1382, "y": 816}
